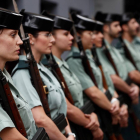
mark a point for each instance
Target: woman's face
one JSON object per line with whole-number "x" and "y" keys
{"x": 98, "y": 39}
{"x": 63, "y": 40}
{"x": 9, "y": 45}
{"x": 87, "y": 39}
{"x": 43, "y": 42}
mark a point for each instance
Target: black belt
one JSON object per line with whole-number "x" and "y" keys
{"x": 60, "y": 121}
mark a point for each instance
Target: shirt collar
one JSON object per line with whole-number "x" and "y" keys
{"x": 75, "y": 49}
{"x": 7, "y": 76}
{"x": 89, "y": 54}
{"x": 108, "y": 45}
{"x": 61, "y": 62}
{"x": 23, "y": 57}
{"x": 40, "y": 65}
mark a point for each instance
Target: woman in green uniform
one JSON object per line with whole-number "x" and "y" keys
{"x": 39, "y": 30}
{"x": 9, "y": 51}
{"x": 84, "y": 27}
{"x": 63, "y": 42}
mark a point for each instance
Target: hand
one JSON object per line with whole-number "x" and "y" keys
{"x": 115, "y": 119}
{"x": 94, "y": 123}
{"x": 123, "y": 116}
{"x": 98, "y": 134}
{"x": 115, "y": 108}
{"x": 71, "y": 137}
{"x": 134, "y": 94}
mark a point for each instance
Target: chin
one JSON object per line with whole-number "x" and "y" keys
{"x": 68, "y": 49}
{"x": 48, "y": 52}
{"x": 14, "y": 58}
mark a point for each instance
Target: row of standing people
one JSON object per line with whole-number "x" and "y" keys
{"x": 80, "y": 85}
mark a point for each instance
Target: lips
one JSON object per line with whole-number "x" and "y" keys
{"x": 70, "y": 44}
{"x": 18, "y": 51}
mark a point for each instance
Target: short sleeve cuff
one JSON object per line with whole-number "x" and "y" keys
{"x": 5, "y": 124}
{"x": 87, "y": 85}
{"x": 35, "y": 104}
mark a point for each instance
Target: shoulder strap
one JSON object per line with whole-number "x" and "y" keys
{"x": 21, "y": 65}
{"x": 127, "y": 53}
{"x": 75, "y": 55}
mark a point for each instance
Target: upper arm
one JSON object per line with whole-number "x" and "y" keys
{"x": 22, "y": 81}
{"x": 40, "y": 116}
{"x": 92, "y": 92}
{"x": 78, "y": 69}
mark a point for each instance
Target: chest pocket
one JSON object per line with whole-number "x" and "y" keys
{"x": 25, "y": 113}
{"x": 54, "y": 96}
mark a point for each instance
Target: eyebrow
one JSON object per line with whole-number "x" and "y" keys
{"x": 14, "y": 31}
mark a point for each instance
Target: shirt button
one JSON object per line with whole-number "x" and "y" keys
{"x": 56, "y": 90}
{"x": 18, "y": 105}
{"x": 17, "y": 96}
{"x": 50, "y": 86}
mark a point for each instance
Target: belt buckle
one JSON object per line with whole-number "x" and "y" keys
{"x": 44, "y": 87}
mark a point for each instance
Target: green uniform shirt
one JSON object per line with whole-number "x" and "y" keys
{"x": 123, "y": 65}
{"x": 134, "y": 53}
{"x": 75, "y": 64}
{"x": 23, "y": 108}
{"x": 56, "y": 98}
{"x": 98, "y": 75}
{"x": 72, "y": 82}
{"x": 96, "y": 70}
{"x": 136, "y": 44}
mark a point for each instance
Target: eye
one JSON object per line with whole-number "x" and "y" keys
{"x": 13, "y": 34}
{"x": 66, "y": 34}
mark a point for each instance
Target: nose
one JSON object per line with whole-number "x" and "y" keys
{"x": 19, "y": 41}
{"x": 119, "y": 28}
{"x": 101, "y": 35}
{"x": 137, "y": 24}
{"x": 71, "y": 37}
{"x": 52, "y": 40}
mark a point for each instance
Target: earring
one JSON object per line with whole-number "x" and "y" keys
{"x": 32, "y": 43}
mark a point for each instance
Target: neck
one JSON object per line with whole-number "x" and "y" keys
{"x": 108, "y": 38}
{"x": 57, "y": 52}
{"x": 37, "y": 55}
{"x": 75, "y": 45}
{"x": 2, "y": 64}
{"x": 127, "y": 36}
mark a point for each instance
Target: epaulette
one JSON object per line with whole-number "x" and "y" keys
{"x": 21, "y": 65}
{"x": 76, "y": 55}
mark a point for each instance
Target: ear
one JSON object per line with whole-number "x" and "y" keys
{"x": 106, "y": 28}
{"x": 124, "y": 27}
{"x": 32, "y": 39}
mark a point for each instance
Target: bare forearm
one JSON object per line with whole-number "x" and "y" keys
{"x": 67, "y": 128}
{"x": 116, "y": 94}
{"x": 120, "y": 84}
{"x": 51, "y": 130}
{"x": 42, "y": 120}
{"x": 75, "y": 115}
{"x": 135, "y": 76}
{"x": 11, "y": 134}
{"x": 98, "y": 98}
